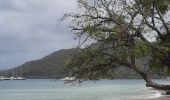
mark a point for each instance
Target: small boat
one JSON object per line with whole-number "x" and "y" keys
{"x": 4, "y": 78}
{"x": 21, "y": 78}
{"x": 69, "y": 79}
{"x": 11, "y": 78}
{"x": 17, "y": 78}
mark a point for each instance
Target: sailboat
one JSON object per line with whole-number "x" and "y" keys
{"x": 15, "y": 75}
{"x": 69, "y": 79}
{"x": 21, "y": 74}
{"x": 4, "y": 78}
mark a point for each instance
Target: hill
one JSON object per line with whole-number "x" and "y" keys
{"x": 50, "y": 66}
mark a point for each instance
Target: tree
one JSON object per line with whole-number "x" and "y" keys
{"x": 124, "y": 31}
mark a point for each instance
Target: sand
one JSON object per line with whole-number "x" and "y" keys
{"x": 161, "y": 98}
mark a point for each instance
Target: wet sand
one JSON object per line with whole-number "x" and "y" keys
{"x": 161, "y": 98}
{"x": 158, "y": 98}
{"x": 156, "y": 95}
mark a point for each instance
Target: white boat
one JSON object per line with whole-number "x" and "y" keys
{"x": 69, "y": 79}
{"x": 4, "y": 78}
{"x": 21, "y": 78}
{"x": 17, "y": 78}
{"x": 11, "y": 78}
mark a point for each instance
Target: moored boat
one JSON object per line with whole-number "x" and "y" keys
{"x": 21, "y": 78}
{"x": 4, "y": 78}
{"x": 11, "y": 78}
{"x": 69, "y": 79}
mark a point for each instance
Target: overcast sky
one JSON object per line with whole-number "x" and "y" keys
{"x": 29, "y": 29}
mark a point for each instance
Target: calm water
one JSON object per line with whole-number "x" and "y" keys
{"x": 57, "y": 90}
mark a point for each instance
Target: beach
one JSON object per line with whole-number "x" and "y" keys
{"x": 161, "y": 98}
{"x": 47, "y": 89}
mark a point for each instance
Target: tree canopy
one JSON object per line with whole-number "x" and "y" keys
{"x": 123, "y": 31}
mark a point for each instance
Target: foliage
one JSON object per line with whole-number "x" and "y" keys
{"x": 161, "y": 57}
{"x": 119, "y": 28}
{"x": 162, "y": 5}
{"x": 141, "y": 49}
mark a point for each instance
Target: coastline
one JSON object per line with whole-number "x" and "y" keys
{"x": 161, "y": 98}
{"x": 158, "y": 96}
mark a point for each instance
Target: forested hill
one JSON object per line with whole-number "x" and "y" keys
{"x": 50, "y": 66}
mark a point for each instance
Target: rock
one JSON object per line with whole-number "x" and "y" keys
{"x": 166, "y": 93}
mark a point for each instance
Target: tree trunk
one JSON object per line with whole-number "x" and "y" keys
{"x": 150, "y": 83}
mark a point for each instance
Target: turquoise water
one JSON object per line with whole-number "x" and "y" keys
{"x": 57, "y": 90}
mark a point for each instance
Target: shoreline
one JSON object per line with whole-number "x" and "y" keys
{"x": 163, "y": 97}
{"x": 158, "y": 96}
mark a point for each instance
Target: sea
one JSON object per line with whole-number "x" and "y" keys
{"x": 49, "y": 89}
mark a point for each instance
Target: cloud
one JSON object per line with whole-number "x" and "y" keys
{"x": 29, "y": 29}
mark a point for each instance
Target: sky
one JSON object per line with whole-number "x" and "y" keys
{"x": 30, "y": 30}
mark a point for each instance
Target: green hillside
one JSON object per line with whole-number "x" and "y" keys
{"x": 50, "y": 66}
